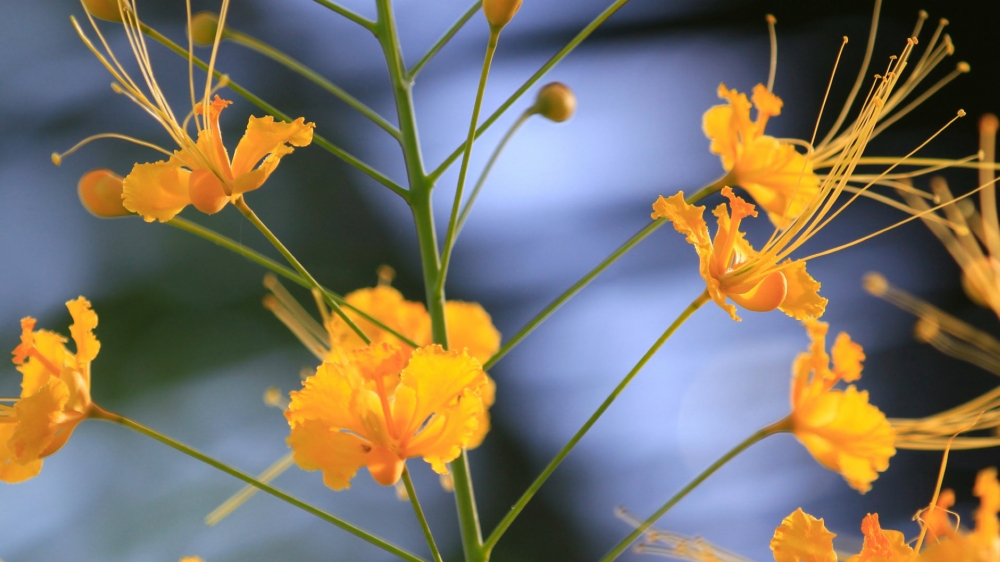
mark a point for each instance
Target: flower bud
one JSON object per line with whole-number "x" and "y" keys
{"x": 500, "y": 12}
{"x": 101, "y": 194}
{"x": 103, "y": 9}
{"x": 555, "y": 102}
{"x": 204, "y": 26}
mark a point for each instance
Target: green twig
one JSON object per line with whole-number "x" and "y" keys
{"x": 260, "y": 259}
{"x": 412, "y": 73}
{"x": 259, "y": 46}
{"x": 766, "y": 432}
{"x": 268, "y": 108}
{"x": 355, "y": 17}
{"x": 583, "y": 282}
{"x": 584, "y": 33}
{"x": 412, "y": 493}
{"x": 241, "y": 204}
{"x": 98, "y": 413}
{"x": 449, "y": 238}
{"x": 508, "y": 519}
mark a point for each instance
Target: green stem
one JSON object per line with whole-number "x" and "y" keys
{"x": 268, "y": 108}
{"x": 534, "y": 487}
{"x": 296, "y": 66}
{"x": 449, "y": 239}
{"x": 412, "y": 493}
{"x": 586, "y": 279}
{"x": 489, "y": 167}
{"x": 356, "y": 18}
{"x": 101, "y": 414}
{"x": 444, "y": 40}
{"x": 241, "y": 204}
{"x": 766, "y": 432}
{"x": 584, "y": 33}
{"x": 252, "y": 255}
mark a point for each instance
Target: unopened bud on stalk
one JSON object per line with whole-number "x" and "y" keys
{"x": 500, "y": 12}
{"x": 103, "y": 9}
{"x": 101, "y": 194}
{"x": 204, "y": 26}
{"x": 555, "y": 102}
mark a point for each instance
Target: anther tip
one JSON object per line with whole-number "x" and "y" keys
{"x": 845, "y": 39}
{"x": 56, "y": 159}
{"x": 989, "y": 124}
{"x": 270, "y": 280}
{"x": 875, "y": 283}
{"x": 961, "y": 113}
{"x": 944, "y": 21}
{"x": 272, "y": 397}
{"x": 922, "y": 14}
{"x": 925, "y": 329}
{"x": 963, "y": 67}
{"x": 270, "y": 302}
{"x": 771, "y": 19}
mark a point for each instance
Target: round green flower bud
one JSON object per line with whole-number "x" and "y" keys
{"x": 500, "y": 12}
{"x": 204, "y": 26}
{"x": 103, "y": 9}
{"x": 556, "y": 102}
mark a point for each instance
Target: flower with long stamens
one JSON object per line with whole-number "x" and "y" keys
{"x": 200, "y": 171}
{"x": 840, "y": 428}
{"x": 373, "y": 408}
{"x": 55, "y": 393}
{"x": 982, "y": 543}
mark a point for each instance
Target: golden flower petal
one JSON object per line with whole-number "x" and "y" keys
{"x": 471, "y": 328}
{"x": 437, "y": 378}
{"x": 803, "y": 538}
{"x": 327, "y": 397}
{"x": 157, "y": 191}
{"x": 318, "y": 447}
{"x": 803, "y": 300}
{"x": 38, "y": 417}
{"x": 12, "y": 471}
{"x": 82, "y": 329}
{"x": 881, "y": 545}
{"x": 266, "y": 137}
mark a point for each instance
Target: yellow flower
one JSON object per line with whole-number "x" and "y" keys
{"x": 373, "y": 408}
{"x": 840, "y": 429}
{"x": 200, "y": 172}
{"x": 780, "y": 179}
{"x": 55, "y": 393}
{"x": 731, "y": 267}
{"x": 982, "y": 544}
{"x": 881, "y": 545}
{"x": 803, "y": 538}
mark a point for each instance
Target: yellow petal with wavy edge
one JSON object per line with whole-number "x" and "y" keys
{"x": 779, "y": 178}
{"x": 449, "y": 431}
{"x": 12, "y": 471}
{"x": 318, "y": 447}
{"x": 881, "y": 545}
{"x": 846, "y": 434}
{"x": 157, "y": 191}
{"x": 803, "y": 300}
{"x": 471, "y": 328}
{"x": 49, "y": 345}
{"x": 37, "y": 418}
{"x": 847, "y": 358}
{"x": 82, "y": 329}
{"x": 488, "y": 396}
{"x": 327, "y": 397}
{"x": 987, "y": 489}
{"x": 437, "y": 378}
{"x": 689, "y": 220}
{"x": 388, "y": 306}
{"x": 803, "y": 538}
{"x": 266, "y": 137}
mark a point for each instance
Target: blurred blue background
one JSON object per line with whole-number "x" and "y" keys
{"x": 188, "y": 350}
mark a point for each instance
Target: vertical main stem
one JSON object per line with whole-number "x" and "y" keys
{"x": 423, "y": 218}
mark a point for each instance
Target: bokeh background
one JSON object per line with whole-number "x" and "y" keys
{"x": 188, "y": 349}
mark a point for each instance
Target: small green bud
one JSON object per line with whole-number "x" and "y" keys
{"x": 204, "y": 27}
{"x": 500, "y": 12}
{"x": 555, "y": 102}
{"x": 103, "y": 9}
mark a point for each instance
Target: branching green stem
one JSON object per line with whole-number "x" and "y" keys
{"x": 98, "y": 413}
{"x": 259, "y": 46}
{"x": 356, "y": 18}
{"x": 444, "y": 40}
{"x": 584, "y": 33}
{"x": 508, "y": 519}
{"x": 449, "y": 239}
{"x": 412, "y": 493}
{"x": 746, "y": 444}
{"x": 586, "y": 279}
{"x": 256, "y": 257}
{"x": 241, "y": 204}
{"x": 268, "y": 108}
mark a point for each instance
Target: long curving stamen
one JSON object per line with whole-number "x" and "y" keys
{"x": 774, "y": 52}
{"x": 58, "y": 157}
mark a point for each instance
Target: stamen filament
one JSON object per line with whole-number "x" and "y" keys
{"x": 57, "y": 157}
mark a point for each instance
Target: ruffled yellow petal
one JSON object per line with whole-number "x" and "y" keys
{"x": 987, "y": 489}
{"x": 268, "y": 140}
{"x": 318, "y": 447}
{"x": 488, "y": 396}
{"x": 12, "y": 471}
{"x": 38, "y": 418}
{"x": 802, "y": 300}
{"x": 881, "y": 545}
{"x": 780, "y": 179}
{"x": 847, "y": 358}
{"x": 386, "y": 304}
{"x": 715, "y": 124}
{"x": 157, "y": 191}
{"x": 471, "y": 328}
{"x": 82, "y": 330}
{"x": 803, "y": 538}
{"x": 846, "y": 434}
{"x": 448, "y": 431}
{"x": 327, "y": 397}
{"x": 437, "y": 378}
{"x": 48, "y": 357}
